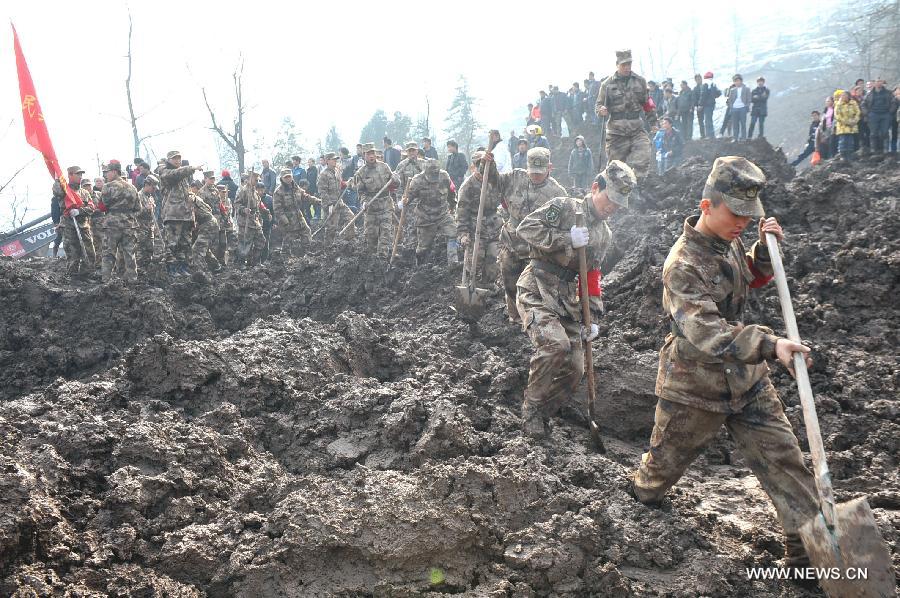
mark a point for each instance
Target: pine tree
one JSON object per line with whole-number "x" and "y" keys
{"x": 375, "y": 129}
{"x": 461, "y": 122}
{"x": 332, "y": 140}
{"x": 398, "y": 129}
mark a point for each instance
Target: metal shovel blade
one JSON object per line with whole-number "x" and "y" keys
{"x": 595, "y": 437}
{"x": 471, "y": 302}
{"x": 855, "y": 544}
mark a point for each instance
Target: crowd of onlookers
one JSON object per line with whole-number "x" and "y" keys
{"x": 863, "y": 119}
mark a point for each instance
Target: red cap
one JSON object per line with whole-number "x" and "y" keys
{"x": 708, "y": 75}
{"x": 225, "y": 173}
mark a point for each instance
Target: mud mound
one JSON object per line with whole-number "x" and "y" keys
{"x": 319, "y": 428}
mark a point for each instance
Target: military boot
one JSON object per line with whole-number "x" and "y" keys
{"x": 533, "y": 424}
{"x": 794, "y": 552}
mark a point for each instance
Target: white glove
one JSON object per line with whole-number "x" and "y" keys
{"x": 580, "y": 236}
{"x": 400, "y": 205}
{"x": 594, "y": 333}
{"x": 74, "y": 213}
{"x": 362, "y": 206}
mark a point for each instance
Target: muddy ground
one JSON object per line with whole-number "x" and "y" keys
{"x": 312, "y": 429}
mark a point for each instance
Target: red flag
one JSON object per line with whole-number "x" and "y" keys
{"x": 36, "y": 133}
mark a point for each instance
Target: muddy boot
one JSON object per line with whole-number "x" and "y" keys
{"x": 512, "y": 311}
{"x": 423, "y": 258}
{"x": 533, "y": 424}
{"x": 794, "y": 553}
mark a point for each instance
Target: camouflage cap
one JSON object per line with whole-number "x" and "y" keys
{"x": 620, "y": 182}
{"x": 432, "y": 169}
{"x": 623, "y": 56}
{"x": 412, "y": 145}
{"x": 538, "y": 159}
{"x": 331, "y": 156}
{"x": 379, "y": 154}
{"x": 209, "y": 174}
{"x": 738, "y": 182}
{"x": 75, "y": 170}
{"x": 222, "y": 187}
{"x": 285, "y": 172}
{"x": 368, "y": 147}
{"x": 151, "y": 180}
{"x": 87, "y": 183}
{"x": 171, "y": 154}
{"x": 195, "y": 184}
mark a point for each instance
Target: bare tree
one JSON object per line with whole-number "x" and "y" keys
{"x": 736, "y": 36}
{"x": 233, "y": 139}
{"x": 132, "y": 117}
{"x": 18, "y": 209}
{"x": 693, "y": 46}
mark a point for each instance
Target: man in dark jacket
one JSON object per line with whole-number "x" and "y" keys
{"x": 684, "y": 105}
{"x": 559, "y": 107}
{"x": 698, "y": 103}
{"x": 879, "y": 107}
{"x": 546, "y": 105}
{"x": 759, "y": 99}
{"x": 269, "y": 178}
{"x": 708, "y": 99}
{"x": 428, "y": 150}
{"x": 457, "y": 164}
{"x": 392, "y": 155}
{"x": 228, "y": 182}
{"x": 656, "y": 94}
{"x": 810, "y": 140}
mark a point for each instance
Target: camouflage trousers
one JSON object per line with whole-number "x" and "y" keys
{"x": 511, "y": 267}
{"x": 339, "y": 215}
{"x": 144, "y": 247}
{"x": 97, "y": 236}
{"x": 291, "y": 239}
{"x": 378, "y": 231}
{"x": 426, "y": 235}
{"x": 557, "y": 365}
{"x": 178, "y": 240}
{"x": 225, "y": 245}
{"x": 76, "y": 259}
{"x": 119, "y": 242}
{"x": 487, "y": 261}
{"x": 762, "y": 434}
{"x": 202, "y": 250}
{"x": 633, "y": 149}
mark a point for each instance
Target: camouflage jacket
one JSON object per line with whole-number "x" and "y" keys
{"x": 84, "y": 217}
{"x": 329, "y": 187}
{"x": 468, "y": 197}
{"x": 203, "y": 213}
{"x": 247, "y": 208}
{"x": 711, "y": 360}
{"x": 553, "y": 266}
{"x": 175, "y": 186}
{"x": 369, "y": 180}
{"x": 146, "y": 217}
{"x": 625, "y": 97}
{"x": 521, "y": 197}
{"x": 122, "y": 204}
{"x": 407, "y": 169}
{"x": 432, "y": 199}
{"x": 287, "y": 203}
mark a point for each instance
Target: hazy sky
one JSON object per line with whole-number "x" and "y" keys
{"x": 327, "y": 63}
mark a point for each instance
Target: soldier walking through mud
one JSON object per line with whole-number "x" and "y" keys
{"x": 292, "y": 232}
{"x": 468, "y": 199}
{"x": 249, "y": 225}
{"x": 712, "y": 367}
{"x": 409, "y": 167}
{"x": 80, "y": 255}
{"x": 431, "y": 199}
{"x": 177, "y": 211}
{"x": 522, "y": 192}
{"x": 337, "y": 213}
{"x": 122, "y": 207}
{"x": 624, "y": 99}
{"x": 147, "y": 234}
{"x": 206, "y": 234}
{"x": 368, "y": 181}
{"x": 548, "y": 290}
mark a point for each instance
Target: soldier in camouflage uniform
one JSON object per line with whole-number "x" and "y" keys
{"x": 431, "y": 198}
{"x": 122, "y": 206}
{"x": 468, "y": 198}
{"x": 547, "y": 294}
{"x": 293, "y": 232}
{"x": 98, "y": 217}
{"x": 624, "y": 99}
{"x": 177, "y": 211}
{"x": 207, "y": 235}
{"x": 147, "y": 235}
{"x": 409, "y": 167}
{"x": 368, "y": 181}
{"x": 337, "y": 214}
{"x": 227, "y": 244}
{"x": 522, "y": 192}
{"x": 209, "y": 193}
{"x": 77, "y": 261}
{"x": 712, "y": 367}
{"x": 249, "y": 226}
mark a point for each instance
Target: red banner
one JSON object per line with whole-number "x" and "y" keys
{"x": 36, "y": 133}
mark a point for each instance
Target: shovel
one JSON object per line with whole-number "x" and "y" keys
{"x": 245, "y": 243}
{"x": 471, "y": 301}
{"x": 363, "y": 211}
{"x": 588, "y": 349}
{"x": 841, "y": 536}
{"x": 399, "y": 233}
{"x": 322, "y": 227}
